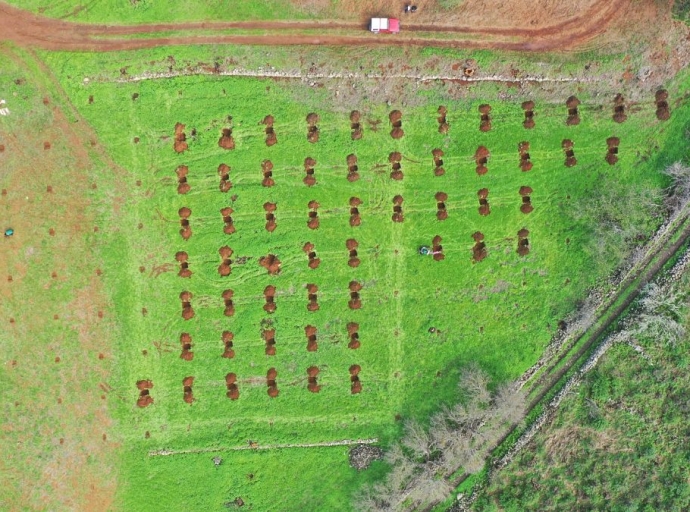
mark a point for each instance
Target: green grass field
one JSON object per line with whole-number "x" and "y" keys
{"x": 499, "y": 313}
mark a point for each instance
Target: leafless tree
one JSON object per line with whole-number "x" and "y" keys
{"x": 474, "y": 383}
{"x": 417, "y": 439}
{"x": 510, "y": 404}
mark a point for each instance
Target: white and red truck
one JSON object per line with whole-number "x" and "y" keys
{"x": 384, "y": 25}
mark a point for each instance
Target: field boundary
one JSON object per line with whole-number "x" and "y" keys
{"x": 256, "y": 446}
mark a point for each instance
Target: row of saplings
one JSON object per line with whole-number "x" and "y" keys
{"x": 481, "y": 158}
{"x": 227, "y": 141}
{"x": 232, "y": 387}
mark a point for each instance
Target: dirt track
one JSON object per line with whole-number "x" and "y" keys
{"x": 27, "y": 29}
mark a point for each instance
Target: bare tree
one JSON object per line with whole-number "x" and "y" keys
{"x": 680, "y": 175}
{"x": 474, "y": 383}
{"x": 417, "y": 439}
{"x": 510, "y": 404}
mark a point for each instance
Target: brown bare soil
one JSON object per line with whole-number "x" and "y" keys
{"x": 271, "y": 376}
{"x": 437, "y": 154}
{"x": 180, "y": 144}
{"x": 484, "y": 208}
{"x": 227, "y": 338}
{"x": 310, "y": 333}
{"x": 308, "y": 249}
{"x": 356, "y": 385}
{"x": 228, "y": 224}
{"x": 312, "y": 296}
{"x": 270, "y": 209}
{"x": 573, "y": 114}
{"x": 443, "y": 125}
{"x": 528, "y": 107}
{"x": 397, "y": 209}
{"x": 229, "y": 305}
{"x": 479, "y": 251}
{"x": 182, "y": 185}
{"x": 187, "y": 310}
{"x": 187, "y": 384}
{"x": 526, "y": 193}
{"x": 224, "y": 268}
{"x": 269, "y": 337}
{"x": 353, "y": 333}
{"x": 355, "y": 301}
{"x": 267, "y": 170}
{"x": 523, "y": 242}
{"x": 612, "y": 151}
{"x": 355, "y": 125}
{"x": 309, "y": 179}
{"x": 269, "y": 296}
{"x": 226, "y": 141}
{"x": 619, "y": 115}
{"x": 484, "y": 118}
{"x": 313, "y": 215}
{"x": 355, "y": 218}
{"x": 233, "y": 392}
{"x": 271, "y": 263}
{"x": 224, "y": 173}
{"x": 186, "y": 343}
{"x": 663, "y": 112}
{"x": 145, "y": 398}
{"x": 352, "y": 246}
{"x": 395, "y": 158}
{"x": 352, "y": 174}
{"x": 441, "y": 212}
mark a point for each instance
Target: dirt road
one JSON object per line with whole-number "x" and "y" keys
{"x": 27, "y": 29}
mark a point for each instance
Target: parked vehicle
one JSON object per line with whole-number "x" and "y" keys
{"x": 384, "y": 25}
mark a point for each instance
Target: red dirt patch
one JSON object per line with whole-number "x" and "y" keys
{"x": 186, "y": 231}
{"x": 395, "y": 158}
{"x": 356, "y": 385}
{"x": 180, "y": 144}
{"x": 612, "y": 151}
{"x": 397, "y": 209}
{"x": 663, "y": 112}
{"x": 227, "y": 338}
{"x": 271, "y": 263}
{"x": 313, "y": 129}
{"x": 395, "y": 118}
{"x": 188, "y": 395}
{"x": 523, "y": 242}
{"x": 224, "y": 268}
{"x": 355, "y": 219}
{"x": 269, "y": 337}
{"x": 186, "y": 343}
{"x": 441, "y": 211}
{"x": 271, "y": 376}
{"x": 352, "y": 169}
{"x": 269, "y": 296}
{"x": 484, "y": 208}
{"x": 619, "y": 109}
{"x": 573, "y": 114}
{"x": 479, "y": 251}
{"x": 270, "y": 132}
{"x": 309, "y": 179}
{"x": 437, "y": 154}
{"x": 270, "y": 209}
{"x": 355, "y": 125}
{"x": 528, "y": 107}
{"x": 233, "y": 392}
{"x": 314, "y": 262}
{"x": 443, "y": 125}
{"x": 437, "y": 249}
{"x": 145, "y": 399}
{"x": 310, "y": 332}
{"x": 187, "y": 310}
{"x": 227, "y": 300}
{"x": 567, "y": 146}
{"x": 312, "y": 296}
{"x": 228, "y": 224}
{"x": 313, "y": 215}
{"x": 226, "y": 141}
{"x": 351, "y": 244}
{"x": 182, "y": 186}
{"x": 182, "y": 258}
{"x": 312, "y": 384}
{"x": 224, "y": 173}
{"x": 267, "y": 171}
{"x": 484, "y": 118}
{"x": 355, "y": 301}
{"x": 353, "y": 333}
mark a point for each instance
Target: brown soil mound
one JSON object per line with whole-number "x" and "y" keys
{"x": 567, "y": 144}
{"x": 181, "y": 256}
{"x": 225, "y": 252}
{"x": 356, "y": 386}
{"x": 313, "y": 134}
{"x": 187, "y": 384}
{"x": 482, "y": 170}
{"x": 572, "y": 102}
{"x": 663, "y": 114}
{"x": 144, "y": 384}
{"x": 354, "y": 370}
{"x": 271, "y": 374}
{"x": 527, "y": 105}
{"x": 352, "y": 168}
{"x": 182, "y": 185}
{"x": 184, "y": 212}
{"x": 226, "y": 141}
{"x": 525, "y": 165}
{"x": 183, "y": 188}
{"x": 145, "y": 398}
{"x": 228, "y": 224}
{"x": 355, "y": 116}
{"x": 353, "y": 333}
{"x": 523, "y": 233}
{"x": 313, "y": 215}
{"x": 351, "y": 244}
{"x": 186, "y": 343}
{"x": 395, "y": 116}
{"x": 478, "y": 236}
{"x": 483, "y": 193}
{"x": 479, "y": 251}
{"x": 312, "y": 371}
{"x": 573, "y": 120}
{"x": 485, "y": 126}
{"x": 312, "y": 119}
{"x": 394, "y": 157}
{"x": 611, "y": 159}
{"x": 526, "y": 208}
{"x": 523, "y": 247}
{"x": 443, "y": 125}
{"x": 485, "y": 109}
{"x": 441, "y": 196}
{"x": 185, "y": 296}
{"x": 227, "y": 338}
{"x": 180, "y": 137}
{"x": 397, "y": 209}
{"x": 397, "y": 133}
{"x": 525, "y": 191}
{"x": 310, "y": 333}
{"x": 269, "y": 337}
{"x": 271, "y": 263}
{"x": 268, "y": 120}
{"x": 271, "y": 138}
{"x": 229, "y": 305}
{"x": 351, "y": 159}
{"x": 661, "y": 95}
{"x": 481, "y": 156}
{"x": 356, "y": 132}
{"x": 613, "y": 142}
{"x": 273, "y": 391}
{"x": 312, "y": 295}
{"x": 355, "y": 301}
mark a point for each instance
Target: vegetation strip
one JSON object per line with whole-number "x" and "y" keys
{"x": 254, "y": 446}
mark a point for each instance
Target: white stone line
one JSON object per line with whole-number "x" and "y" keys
{"x": 344, "y": 442}
{"x": 299, "y": 75}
